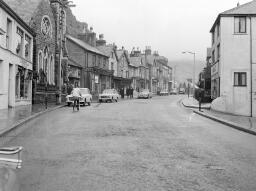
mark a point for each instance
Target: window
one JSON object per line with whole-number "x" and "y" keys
{"x": 19, "y": 41}
{"x": 8, "y": 33}
{"x": 40, "y": 61}
{"x": 218, "y": 52}
{"x": 240, "y": 24}
{"x": 94, "y": 60}
{"x": 218, "y": 29}
{"x": 240, "y": 79}
{"x": 213, "y": 56}
{"x": 112, "y": 66}
{"x": 46, "y": 26}
{"x": 27, "y": 47}
{"x": 213, "y": 37}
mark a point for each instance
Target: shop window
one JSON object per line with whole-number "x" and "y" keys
{"x": 240, "y": 79}
{"x": 23, "y": 84}
{"x": 19, "y": 41}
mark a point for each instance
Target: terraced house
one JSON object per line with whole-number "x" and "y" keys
{"x": 48, "y": 21}
{"x": 16, "y": 55}
{"x": 90, "y": 62}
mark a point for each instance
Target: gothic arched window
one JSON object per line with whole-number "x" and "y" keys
{"x": 40, "y": 61}
{"x": 45, "y": 62}
{"x": 46, "y": 26}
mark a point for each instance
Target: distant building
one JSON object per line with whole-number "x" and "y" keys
{"x": 122, "y": 80}
{"x": 16, "y": 56}
{"x": 111, "y": 51}
{"x": 205, "y": 78}
{"x": 233, "y": 69}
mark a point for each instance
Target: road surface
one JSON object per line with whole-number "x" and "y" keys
{"x": 150, "y": 145}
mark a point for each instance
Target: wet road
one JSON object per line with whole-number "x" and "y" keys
{"x": 135, "y": 145}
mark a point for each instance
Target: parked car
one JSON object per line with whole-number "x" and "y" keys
{"x": 109, "y": 95}
{"x": 182, "y": 91}
{"x": 86, "y": 97}
{"x": 145, "y": 93}
{"x": 164, "y": 93}
{"x": 174, "y": 91}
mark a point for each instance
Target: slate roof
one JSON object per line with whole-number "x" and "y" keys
{"x": 107, "y": 50}
{"x": 24, "y": 8}
{"x": 85, "y": 46}
{"x": 135, "y": 61}
{"x": 245, "y": 9}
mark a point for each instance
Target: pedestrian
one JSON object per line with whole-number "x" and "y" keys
{"x": 132, "y": 92}
{"x": 76, "y": 94}
{"x": 122, "y": 93}
{"x": 128, "y": 92}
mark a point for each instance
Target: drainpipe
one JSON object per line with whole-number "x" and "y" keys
{"x": 251, "y": 64}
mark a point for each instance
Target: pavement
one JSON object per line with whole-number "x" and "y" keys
{"x": 242, "y": 123}
{"x": 14, "y": 117}
{"x": 134, "y": 145}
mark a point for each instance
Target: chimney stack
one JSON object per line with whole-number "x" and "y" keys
{"x": 101, "y": 41}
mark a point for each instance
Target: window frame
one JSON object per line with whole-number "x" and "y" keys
{"x": 239, "y": 23}
{"x": 239, "y": 75}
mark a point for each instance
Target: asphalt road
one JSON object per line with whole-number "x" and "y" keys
{"x": 134, "y": 145}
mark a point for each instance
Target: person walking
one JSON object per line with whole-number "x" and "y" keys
{"x": 131, "y": 92}
{"x": 76, "y": 94}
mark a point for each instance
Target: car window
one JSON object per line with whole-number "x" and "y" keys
{"x": 108, "y": 91}
{"x": 85, "y": 91}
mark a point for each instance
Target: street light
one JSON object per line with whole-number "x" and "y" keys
{"x": 193, "y": 53}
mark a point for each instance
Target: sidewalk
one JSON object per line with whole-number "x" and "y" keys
{"x": 13, "y": 117}
{"x": 242, "y": 123}
{"x": 193, "y": 103}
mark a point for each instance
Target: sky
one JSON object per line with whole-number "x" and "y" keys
{"x": 167, "y": 26}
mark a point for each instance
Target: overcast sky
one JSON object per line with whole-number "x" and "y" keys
{"x": 169, "y": 26}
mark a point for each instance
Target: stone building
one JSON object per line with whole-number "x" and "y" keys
{"x": 94, "y": 71}
{"x": 122, "y": 80}
{"x": 48, "y": 21}
{"x": 111, "y": 51}
{"x": 16, "y": 55}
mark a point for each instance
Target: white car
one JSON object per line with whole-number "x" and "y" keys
{"x": 109, "y": 95}
{"x": 145, "y": 94}
{"x": 86, "y": 97}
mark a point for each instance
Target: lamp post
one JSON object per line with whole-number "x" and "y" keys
{"x": 194, "y": 66}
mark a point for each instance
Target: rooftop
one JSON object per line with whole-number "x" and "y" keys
{"x": 85, "y": 46}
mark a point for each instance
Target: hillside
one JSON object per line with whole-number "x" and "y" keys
{"x": 184, "y": 69}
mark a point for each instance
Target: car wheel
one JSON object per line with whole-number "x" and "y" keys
{"x": 69, "y": 104}
{"x": 100, "y": 100}
{"x": 89, "y": 103}
{"x": 84, "y": 102}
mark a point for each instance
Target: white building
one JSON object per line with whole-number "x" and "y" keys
{"x": 233, "y": 67}
{"x": 16, "y": 52}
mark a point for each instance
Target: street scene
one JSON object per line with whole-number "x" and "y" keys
{"x": 127, "y": 95}
{"x": 140, "y": 148}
